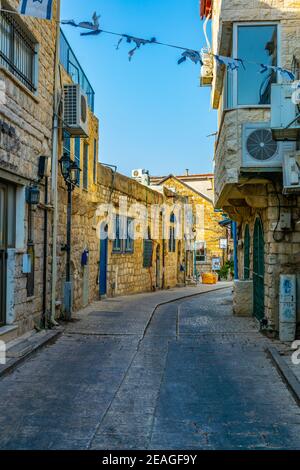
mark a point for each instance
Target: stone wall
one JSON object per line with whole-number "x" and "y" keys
{"x": 281, "y": 257}
{"x": 207, "y": 229}
{"x": 125, "y": 272}
{"x": 30, "y": 115}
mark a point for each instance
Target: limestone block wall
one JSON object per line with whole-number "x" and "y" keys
{"x": 125, "y": 272}
{"x": 30, "y": 114}
{"x": 207, "y": 227}
{"x": 281, "y": 257}
{"x": 229, "y": 147}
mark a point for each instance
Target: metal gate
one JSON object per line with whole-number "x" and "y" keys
{"x": 3, "y": 252}
{"x": 258, "y": 271}
{"x": 247, "y": 253}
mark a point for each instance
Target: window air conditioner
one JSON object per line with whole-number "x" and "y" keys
{"x": 75, "y": 115}
{"x": 285, "y": 112}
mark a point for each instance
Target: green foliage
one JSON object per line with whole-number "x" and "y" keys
{"x": 227, "y": 268}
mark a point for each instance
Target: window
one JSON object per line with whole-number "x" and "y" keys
{"x": 129, "y": 241}
{"x": 77, "y": 156}
{"x": 117, "y": 240}
{"x": 172, "y": 240}
{"x": 67, "y": 144}
{"x": 95, "y": 162}
{"x": 17, "y": 50}
{"x": 256, "y": 43}
{"x": 124, "y": 232}
{"x": 201, "y": 252}
{"x": 85, "y": 173}
{"x": 148, "y": 253}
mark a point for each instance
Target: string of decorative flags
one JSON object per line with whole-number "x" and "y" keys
{"x": 43, "y": 9}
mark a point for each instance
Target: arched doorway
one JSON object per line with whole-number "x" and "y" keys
{"x": 158, "y": 282}
{"x": 103, "y": 259}
{"x": 258, "y": 271}
{"x": 247, "y": 253}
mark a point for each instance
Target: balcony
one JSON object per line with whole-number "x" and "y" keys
{"x": 238, "y": 183}
{"x": 71, "y": 65}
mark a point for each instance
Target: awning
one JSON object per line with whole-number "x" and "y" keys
{"x": 225, "y": 222}
{"x": 205, "y": 8}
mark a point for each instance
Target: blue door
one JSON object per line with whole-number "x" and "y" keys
{"x": 103, "y": 264}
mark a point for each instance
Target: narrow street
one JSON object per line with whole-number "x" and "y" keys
{"x": 190, "y": 376}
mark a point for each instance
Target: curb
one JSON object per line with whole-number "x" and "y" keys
{"x": 180, "y": 298}
{"x": 286, "y": 373}
{"x": 51, "y": 337}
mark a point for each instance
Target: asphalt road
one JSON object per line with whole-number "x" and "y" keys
{"x": 191, "y": 376}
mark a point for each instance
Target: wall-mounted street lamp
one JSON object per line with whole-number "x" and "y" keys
{"x": 71, "y": 173}
{"x": 32, "y": 195}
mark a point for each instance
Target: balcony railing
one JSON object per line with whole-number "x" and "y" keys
{"x": 17, "y": 50}
{"x": 70, "y": 63}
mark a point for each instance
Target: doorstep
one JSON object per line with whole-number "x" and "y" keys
{"x": 20, "y": 349}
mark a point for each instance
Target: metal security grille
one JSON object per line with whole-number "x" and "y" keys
{"x": 17, "y": 50}
{"x": 258, "y": 271}
{"x": 247, "y": 254}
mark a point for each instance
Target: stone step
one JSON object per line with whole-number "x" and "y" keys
{"x": 8, "y": 333}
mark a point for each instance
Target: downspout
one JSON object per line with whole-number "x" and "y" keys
{"x": 54, "y": 166}
{"x": 45, "y": 256}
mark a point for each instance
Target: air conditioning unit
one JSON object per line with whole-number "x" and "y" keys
{"x": 285, "y": 112}
{"x": 137, "y": 173}
{"x": 207, "y": 69}
{"x": 291, "y": 173}
{"x": 75, "y": 115}
{"x": 260, "y": 150}
{"x": 142, "y": 176}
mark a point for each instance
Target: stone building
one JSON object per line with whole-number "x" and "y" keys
{"x": 28, "y": 190}
{"x": 248, "y": 161}
{"x": 110, "y": 266}
{"x": 206, "y": 247}
{"x": 26, "y": 102}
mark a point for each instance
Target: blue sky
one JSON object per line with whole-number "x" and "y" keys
{"x": 152, "y": 112}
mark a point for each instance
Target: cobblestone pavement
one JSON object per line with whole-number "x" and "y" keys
{"x": 191, "y": 376}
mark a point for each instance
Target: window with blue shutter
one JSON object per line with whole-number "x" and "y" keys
{"x": 85, "y": 173}
{"x": 77, "y": 157}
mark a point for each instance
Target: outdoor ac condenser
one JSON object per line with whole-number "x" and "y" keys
{"x": 260, "y": 150}
{"x": 285, "y": 112}
{"x": 75, "y": 115}
{"x": 291, "y": 173}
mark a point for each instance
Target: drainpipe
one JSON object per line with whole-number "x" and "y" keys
{"x": 235, "y": 241}
{"x": 54, "y": 167}
{"x": 45, "y": 256}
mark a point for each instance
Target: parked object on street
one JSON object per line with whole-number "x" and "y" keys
{"x": 287, "y": 307}
{"x": 209, "y": 278}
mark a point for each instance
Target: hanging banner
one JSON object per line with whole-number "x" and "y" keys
{"x": 38, "y": 8}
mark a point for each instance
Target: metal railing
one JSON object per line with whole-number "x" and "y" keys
{"x": 71, "y": 65}
{"x": 17, "y": 50}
